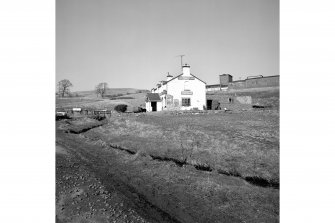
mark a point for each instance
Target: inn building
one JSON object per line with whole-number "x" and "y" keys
{"x": 182, "y": 92}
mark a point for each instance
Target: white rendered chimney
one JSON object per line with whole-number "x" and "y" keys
{"x": 169, "y": 77}
{"x": 186, "y": 70}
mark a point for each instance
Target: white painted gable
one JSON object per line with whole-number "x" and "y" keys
{"x": 183, "y": 92}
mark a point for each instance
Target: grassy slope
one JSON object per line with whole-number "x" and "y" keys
{"x": 242, "y": 144}
{"x": 185, "y": 193}
{"x": 89, "y": 100}
{"x": 245, "y": 144}
{"x": 110, "y": 91}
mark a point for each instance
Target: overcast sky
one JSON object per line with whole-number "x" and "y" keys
{"x": 134, "y": 43}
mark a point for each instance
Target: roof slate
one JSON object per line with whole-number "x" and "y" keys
{"x": 153, "y": 97}
{"x": 191, "y": 75}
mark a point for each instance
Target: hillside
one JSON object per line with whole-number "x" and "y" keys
{"x": 109, "y": 92}
{"x": 114, "y": 96}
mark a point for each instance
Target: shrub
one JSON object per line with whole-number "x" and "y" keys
{"x": 60, "y": 117}
{"x": 121, "y": 108}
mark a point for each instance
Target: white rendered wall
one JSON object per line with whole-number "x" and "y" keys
{"x": 149, "y": 108}
{"x": 161, "y": 89}
{"x": 197, "y": 87}
{"x": 186, "y": 71}
{"x": 159, "y": 106}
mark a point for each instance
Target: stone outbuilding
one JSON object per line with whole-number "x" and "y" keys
{"x": 222, "y": 101}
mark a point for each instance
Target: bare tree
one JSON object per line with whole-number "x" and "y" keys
{"x": 64, "y": 87}
{"x": 101, "y": 89}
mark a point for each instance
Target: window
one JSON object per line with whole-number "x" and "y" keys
{"x": 186, "y": 86}
{"x": 186, "y": 102}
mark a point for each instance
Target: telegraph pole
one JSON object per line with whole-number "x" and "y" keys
{"x": 181, "y": 60}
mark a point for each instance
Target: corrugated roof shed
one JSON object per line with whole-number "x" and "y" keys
{"x": 153, "y": 97}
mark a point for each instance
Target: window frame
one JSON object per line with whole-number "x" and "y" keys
{"x": 188, "y": 103}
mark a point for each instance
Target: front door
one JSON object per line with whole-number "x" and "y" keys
{"x": 209, "y": 104}
{"x": 154, "y": 106}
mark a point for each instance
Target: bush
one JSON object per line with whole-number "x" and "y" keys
{"x": 120, "y": 108}
{"x": 60, "y": 117}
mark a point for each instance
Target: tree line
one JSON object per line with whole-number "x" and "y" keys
{"x": 65, "y": 85}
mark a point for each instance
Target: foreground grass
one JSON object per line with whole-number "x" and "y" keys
{"x": 240, "y": 144}
{"x": 185, "y": 193}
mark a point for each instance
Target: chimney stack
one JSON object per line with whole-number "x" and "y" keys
{"x": 186, "y": 70}
{"x": 169, "y": 77}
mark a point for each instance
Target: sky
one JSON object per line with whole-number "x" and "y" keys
{"x": 135, "y": 43}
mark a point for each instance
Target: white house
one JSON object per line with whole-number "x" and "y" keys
{"x": 183, "y": 92}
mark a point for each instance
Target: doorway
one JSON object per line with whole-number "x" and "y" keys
{"x": 154, "y": 106}
{"x": 209, "y": 104}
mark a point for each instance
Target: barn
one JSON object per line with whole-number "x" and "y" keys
{"x": 182, "y": 92}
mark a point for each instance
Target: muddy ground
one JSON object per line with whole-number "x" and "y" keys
{"x": 97, "y": 182}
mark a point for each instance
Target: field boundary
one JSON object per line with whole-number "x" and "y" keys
{"x": 255, "y": 180}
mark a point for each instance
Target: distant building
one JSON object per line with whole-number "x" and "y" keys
{"x": 227, "y": 83}
{"x": 225, "y": 79}
{"x": 183, "y": 92}
{"x": 223, "y": 96}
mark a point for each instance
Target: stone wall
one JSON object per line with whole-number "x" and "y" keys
{"x": 237, "y": 85}
{"x": 230, "y": 102}
{"x": 268, "y": 97}
{"x": 271, "y": 81}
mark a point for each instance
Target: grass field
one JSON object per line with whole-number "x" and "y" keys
{"x": 243, "y": 144}
{"x": 223, "y": 165}
{"x": 89, "y": 100}
{"x": 239, "y": 144}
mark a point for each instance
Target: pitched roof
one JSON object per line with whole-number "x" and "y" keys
{"x": 153, "y": 97}
{"x": 213, "y": 85}
{"x": 182, "y": 74}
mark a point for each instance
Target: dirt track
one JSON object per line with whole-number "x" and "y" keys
{"x": 85, "y": 194}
